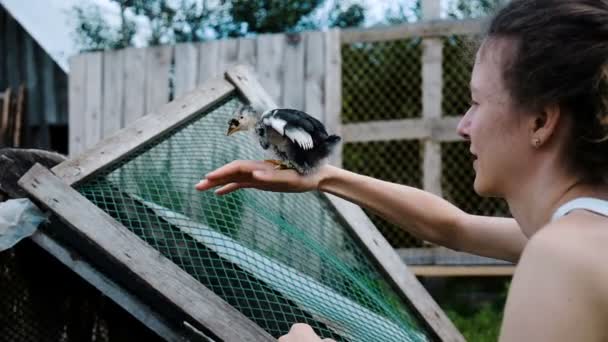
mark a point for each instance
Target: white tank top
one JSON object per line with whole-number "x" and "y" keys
{"x": 593, "y": 205}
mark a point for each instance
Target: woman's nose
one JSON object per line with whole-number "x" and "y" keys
{"x": 463, "y": 127}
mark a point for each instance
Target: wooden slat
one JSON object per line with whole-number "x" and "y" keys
{"x": 247, "y": 52}
{"x": 143, "y": 130}
{"x": 18, "y": 126}
{"x": 11, "y": 52}
{"x": 158, "y": 66}
{"x": 4, "y": 115}
{"x": 270, "y": 49}
{"x": 314, "y": 77}
{"x": 208, "y": 61}
{"x": 93, "y": 96}
{"x": 76, "y": 104}
{"x": 109, "y": 288}
{"x": 463, "y": 271}
{"x": 145, "y": 265}
{"x": 246, "y": 84}
{"x": 432, "y": 91}
{"x": 443, "y": 129}
{"x": 293, "y": 75}
{"x": 441, "y": 256}
{"x": 333, "y": 90}
{"x": 113, "y": 89}
{"x": 186, "y": 68}
{"x": 367, "y": 233}
{"x": 228, "y": 54}
{"x": 432, "y": 28}
{"x": 134, "y": 95}
{"x": 364, "y": 230}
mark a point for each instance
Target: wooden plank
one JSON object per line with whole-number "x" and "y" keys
{"x": 186, "y": 68}
{"x": 432, "y": 28}
{"x": 246, "y": 84}
{"x": 314, "y": 77}
{"x": 143, "y": 130}
{"x": 333, "y": 90}
{"x": 208, "y": 61}
{"x": 6, "y": 112}
{"x": 145, "y": 265}
{"x": 158, "y": 66}
{"x": 442, "y": 256}
{"x": 293, "y": 76}
{"x": 109, "y": 288}
{"x": 247, "y": 52}
{"x": 413, "y": 292}
{"x": 228, "y": 54}
{"x": 19, "y": 117}
{"x": 76, "y": 103}
{"x": 463, "y": 271}
{"x": 443, "y": 129}
{"x": 270, "y": 49}
{"x": 93, "y": 96}
{"x": 134, "y": 95}
{"x": 113, "y": 88}
{"x": 364, "y": 230}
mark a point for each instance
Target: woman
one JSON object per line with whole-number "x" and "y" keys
{"x": 538, "y": 131}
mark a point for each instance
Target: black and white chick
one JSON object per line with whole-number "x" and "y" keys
{"x": 298, "y": 140}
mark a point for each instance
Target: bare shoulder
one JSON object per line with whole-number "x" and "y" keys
{"x": 561, "y": 275}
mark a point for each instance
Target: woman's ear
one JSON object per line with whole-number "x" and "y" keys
{"x": 544, "y": 124}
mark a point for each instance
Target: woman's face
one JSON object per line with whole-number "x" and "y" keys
{"x": 496, "y": 129}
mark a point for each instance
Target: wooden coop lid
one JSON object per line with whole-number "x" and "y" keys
{"x": 156, "y": 279}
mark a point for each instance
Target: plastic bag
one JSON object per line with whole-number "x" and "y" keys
{"x": 19, "y": 218}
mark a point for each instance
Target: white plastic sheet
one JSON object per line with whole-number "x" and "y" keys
{"x": 19, "y": 218}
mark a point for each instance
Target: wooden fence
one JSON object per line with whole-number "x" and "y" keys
{"x": 108, "y": 90}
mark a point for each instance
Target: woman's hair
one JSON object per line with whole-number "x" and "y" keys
{"x": 561, "y": 58}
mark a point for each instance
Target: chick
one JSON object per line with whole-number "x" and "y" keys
{"x": 298, "y": 140}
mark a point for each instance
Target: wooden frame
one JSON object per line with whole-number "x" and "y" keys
{"x": 366, "y": 232}
{"x": 158, "y": 277}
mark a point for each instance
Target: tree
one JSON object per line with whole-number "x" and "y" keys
{"x": 172, "y": 21}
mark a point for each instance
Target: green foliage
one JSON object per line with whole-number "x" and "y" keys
{"x": 197, "y": 20}
{"x": 483, "y": 326}
{"x": 464, "y": 9}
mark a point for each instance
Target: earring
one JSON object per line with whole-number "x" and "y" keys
{"x": 536, "y": 142}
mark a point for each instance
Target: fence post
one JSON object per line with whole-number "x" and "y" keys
{"x": 432, "y": 57}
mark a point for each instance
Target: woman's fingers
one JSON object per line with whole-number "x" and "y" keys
{"x": 228, "y": 188}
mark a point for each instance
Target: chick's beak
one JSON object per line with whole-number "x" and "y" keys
{"x": 231, "y": 130}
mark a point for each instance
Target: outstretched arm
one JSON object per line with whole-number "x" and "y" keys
{"x": 423, "y": 214}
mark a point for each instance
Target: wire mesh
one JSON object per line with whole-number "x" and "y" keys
{"x": 397, "y": 161}
{"x": 278, "y": 258}
{"x": 382, "y": 81}
{"x": 42, "y": 300}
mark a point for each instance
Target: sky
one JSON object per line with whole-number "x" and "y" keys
{"x": 49, "y": 21}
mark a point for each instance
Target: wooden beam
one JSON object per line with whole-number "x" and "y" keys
{"x": 146, "y": 266}
{"x": 364, "y": 230}
{"x": 143, "y": 130}
{"x": 443, "y": 129}
{"x": 109, "y": 288}
{"x": 463, "y": 271}
{"x": 431, "y": 28}
{"x": 333, "y": 90}
{"x": 414, "y": 293}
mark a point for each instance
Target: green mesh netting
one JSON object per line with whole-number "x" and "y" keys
{"x": 277, "y": 258}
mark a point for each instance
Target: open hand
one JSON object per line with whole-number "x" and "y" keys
{"x": 259, "y": 175}
{"x": 300, "y": 332}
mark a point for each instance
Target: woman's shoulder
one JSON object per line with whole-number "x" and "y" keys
{"x": 575, "y": 244}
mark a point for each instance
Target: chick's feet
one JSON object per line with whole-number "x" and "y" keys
{"x": 282, "y": 165}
